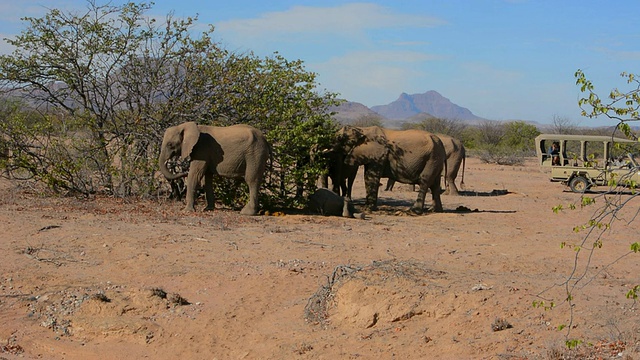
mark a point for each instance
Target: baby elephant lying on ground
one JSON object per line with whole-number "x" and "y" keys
{"x": 326, "y": 202}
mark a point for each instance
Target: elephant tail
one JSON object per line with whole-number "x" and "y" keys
{"x": 464, "y": 159}
{"x": 269, "y": 168}
{"x": 445, "y": 171}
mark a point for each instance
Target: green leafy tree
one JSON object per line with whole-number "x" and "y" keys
{"x": 519, "y": 136}
{"x": 496, "y": 142}
{"x": 109, "y": 80}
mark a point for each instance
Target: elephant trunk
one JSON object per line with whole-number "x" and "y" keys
{"x": 162, "y": 161}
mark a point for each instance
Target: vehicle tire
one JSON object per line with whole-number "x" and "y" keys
{"x": 579, "y": 184}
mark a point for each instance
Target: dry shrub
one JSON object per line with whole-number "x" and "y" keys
{"x": 382, "y": 274}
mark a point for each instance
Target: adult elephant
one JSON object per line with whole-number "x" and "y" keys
{"x": 456, "y": 157}
{"x": 408, "y": 156}
{"x": 237, "y": 151}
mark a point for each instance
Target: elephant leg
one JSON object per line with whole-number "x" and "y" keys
{"x": 371, "y": 183}
{"x": 196, "y": 171}
{"x": 323, "y": 181}
{"x": 447, "y": 187}
{"x": 208, "y": 190}
{"x": 251, "y": 207}
{"x": 435, "y": 196}
{"x": 435, "y": 189}
{"x": 349, "y": 184}
{"x": 390, "y": 183}
{"x": 253, "y": 178}
{"x": 418, "y": 206}
{"x": 337, "y": 186}
{"x": 346, "y": 208}
{"x": 452, "y": 189}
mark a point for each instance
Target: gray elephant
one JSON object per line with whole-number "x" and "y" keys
{"x": 326, "y": 202}
{"x": 408, "y": 156}
{"x": 237, "y": 151}
{"x": 456, "y": 157}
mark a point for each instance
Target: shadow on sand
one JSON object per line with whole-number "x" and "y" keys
{"x": 392, "y": 206}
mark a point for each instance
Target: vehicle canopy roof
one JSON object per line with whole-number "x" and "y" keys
{"x": 591, "y": 138}
{"x": 544, "y": 140}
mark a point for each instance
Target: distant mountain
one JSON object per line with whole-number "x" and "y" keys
{"x": 430, "y": 102}
{"x": 349, "y": 111}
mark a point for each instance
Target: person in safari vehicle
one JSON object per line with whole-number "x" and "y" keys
{"x": 554, "y": 151}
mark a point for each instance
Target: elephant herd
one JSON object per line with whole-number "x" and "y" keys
{"x": 241, "y": 151}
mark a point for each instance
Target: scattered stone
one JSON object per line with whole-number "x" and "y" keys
{"x": 500, "y": 324}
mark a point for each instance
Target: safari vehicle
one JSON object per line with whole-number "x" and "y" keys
{"x": 585, "y": 161}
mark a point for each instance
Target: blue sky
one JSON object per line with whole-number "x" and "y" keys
{"x": 501, "y": 59}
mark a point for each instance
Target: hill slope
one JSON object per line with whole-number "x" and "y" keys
{"x": 430, "y": 102}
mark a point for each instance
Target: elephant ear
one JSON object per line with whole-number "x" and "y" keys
{"x": 375, "y": 133}
{"x": 190, "y": 136}
{"x": 377, "y": 145}
{"x": 350, "y": 136}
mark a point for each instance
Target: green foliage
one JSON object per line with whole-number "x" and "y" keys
{"x": 505, "y": 143}
{"x": 586, "y": 201}
{"x": 633, "y": 293}
{"x": 620, "y": 106}
{"x": 573, "y": 343}
{"x": 109, "y": 81}
{"x": 543, "y": 305}
{"x": 519, "y": 136}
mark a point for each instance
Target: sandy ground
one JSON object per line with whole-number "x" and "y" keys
{"x": 107, "y": 279}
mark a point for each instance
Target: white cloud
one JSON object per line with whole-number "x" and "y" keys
{"x": 348, "y": 19}
{"x": 373, "y": 77}
{"x": 314, "y": 34}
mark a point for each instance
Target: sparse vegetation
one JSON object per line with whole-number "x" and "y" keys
{"x": 100, "y": 105}
{"x": 367, "y": 120}
{"x": 451, "y": 127}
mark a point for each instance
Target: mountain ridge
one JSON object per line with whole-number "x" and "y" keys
{"x": 430, "y": 102}
{"x": 407, "y": 108}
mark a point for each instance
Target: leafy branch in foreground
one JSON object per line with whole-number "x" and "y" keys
{"x": 623, "y": 107}
{"x": 610, "y": 207}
